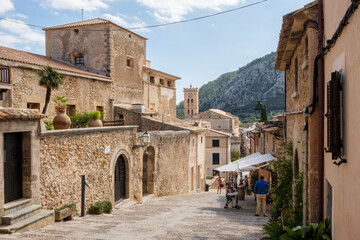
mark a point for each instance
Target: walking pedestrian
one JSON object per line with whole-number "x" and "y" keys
{"x": 261, "y": 190}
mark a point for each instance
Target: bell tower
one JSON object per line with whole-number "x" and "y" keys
{"x": 191, "y": 101}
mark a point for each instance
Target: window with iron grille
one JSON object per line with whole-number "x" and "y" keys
{"x": 334, "y": 115}
{"x": 5, "y": 75}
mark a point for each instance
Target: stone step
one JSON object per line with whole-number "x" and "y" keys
{"x": 43, "y": 219}
{"x": 16, "y": 205}
{"x": 21, "y": 214}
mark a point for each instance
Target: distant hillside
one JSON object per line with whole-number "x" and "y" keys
{"x": 237, "y": 92}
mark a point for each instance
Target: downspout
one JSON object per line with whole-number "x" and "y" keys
{"x": 321, "y": 80}
{"x": 306, "y": 177}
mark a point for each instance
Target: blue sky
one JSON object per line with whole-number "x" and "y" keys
{"x": 198, "y": 51}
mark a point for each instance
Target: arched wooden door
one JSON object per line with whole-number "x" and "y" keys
{"x": 120, "y": 179}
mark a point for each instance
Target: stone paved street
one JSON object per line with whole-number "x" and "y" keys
{"x": 193, "y": 216}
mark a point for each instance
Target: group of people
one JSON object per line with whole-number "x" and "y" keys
{"x": 261, "y": 190}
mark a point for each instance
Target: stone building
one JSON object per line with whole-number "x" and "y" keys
{"x": 191, "y": 101}
{"x": 104, "y": 64}
{"x": 296, "y": 53}
{"x": 106, "y": 69}
{"x": 267, "y": 138}
{"x": 218, "y": 151}
{"x": 341, "y": 130}
{"x": 221, "y": 124}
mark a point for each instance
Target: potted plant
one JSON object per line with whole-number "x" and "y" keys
{"x": 65, "y": 212}
{"x": 95, "y": 119}
{"x": 61, "y": 120}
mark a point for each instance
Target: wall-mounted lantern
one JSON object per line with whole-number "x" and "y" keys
{"x": 260, "y": 111}
{"x": 144, "y": 140}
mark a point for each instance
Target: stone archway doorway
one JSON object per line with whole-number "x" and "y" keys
{"x": 120, "y": 178}
{"x": 148, "y": 170}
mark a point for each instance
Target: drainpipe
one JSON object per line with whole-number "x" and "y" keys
{"x": 321, "y": 112}
{"x": 306, "y": 171}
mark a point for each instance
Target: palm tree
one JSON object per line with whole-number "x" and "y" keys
{"x": 50, "y": 79}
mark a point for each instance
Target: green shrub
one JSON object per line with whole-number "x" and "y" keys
{"x": 315, "y": 231}
{"x": 254, "y": 177}
{"x": 100, "y": 207}
{"x": 96, "y": 115}
{"x": 65, "y": 206}
{"x": 49, "y": 125}
{"x": 80, "y": 120}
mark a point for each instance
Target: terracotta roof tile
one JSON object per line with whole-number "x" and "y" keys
{"x": 20, "y": 114}
{"x": 40, "y": 60}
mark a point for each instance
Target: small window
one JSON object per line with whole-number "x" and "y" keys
{"x": 162, "y": 82}
{"x": 192, "y": 112}
{"x": 188, "y": 111}
{"x": 201, "y": 139}
{"x": 33, "y": 105}
{"x": 79, "y": 59}
{"x": 216, "y": 143}
{"x": 121, "y": 116}
{"x": 70, "y": 110}
{"x": 169, "y": 83}
{"x": 152, "y": 79}
{"x": 130, "y": 62}
{"x": 306, "y": 48}
{"x": 188, "y": 100}
{"x": 216, "y": 158}
{"x": 192, "y": 100}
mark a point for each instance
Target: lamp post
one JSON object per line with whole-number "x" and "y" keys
{"x": 260, "y": 109}
{"x": 144, "y": 140}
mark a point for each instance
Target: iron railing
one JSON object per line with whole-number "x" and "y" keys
{"x": 5, "y": 75}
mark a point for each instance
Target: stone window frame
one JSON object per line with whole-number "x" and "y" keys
{"x": 162, "y": 81}
{"x": 152, "y": 79}
{"x": 169, "y": 83}
{"x": 130, "y": 63}
{"x": 77, "y": 58}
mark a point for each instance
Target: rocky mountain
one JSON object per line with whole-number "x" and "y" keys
{"x": 237, "y": 92}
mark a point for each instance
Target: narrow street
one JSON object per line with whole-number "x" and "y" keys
{"x": 193, "y": 216}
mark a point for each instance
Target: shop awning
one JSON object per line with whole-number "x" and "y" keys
{"x": 233, "y": 166}
{"x": 255, "y": 161}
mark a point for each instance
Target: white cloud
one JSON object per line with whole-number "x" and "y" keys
{"x": 6, "y": 5}
{"x": 19, "y": 33}
{"x": 126, "y": 21}
{"x": 76, "y": 5}
{"x": 175, "y": 10}
{"x": 21, "y": 16}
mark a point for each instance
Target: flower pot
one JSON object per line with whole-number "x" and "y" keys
{"x": 61, "y": 120}
{"x": 95, "y": 123}
{"x": 65, "y": 213}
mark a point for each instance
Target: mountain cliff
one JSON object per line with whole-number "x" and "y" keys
{"x": 237, "y": 92}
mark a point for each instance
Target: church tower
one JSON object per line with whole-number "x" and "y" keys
{"x": 191, "y": 101}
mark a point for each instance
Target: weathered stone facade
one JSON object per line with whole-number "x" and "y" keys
{"x": 68, "y": 154}
{"x": 297, "y": 50}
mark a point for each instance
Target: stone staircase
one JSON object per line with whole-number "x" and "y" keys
{"x": 20, "y": 216}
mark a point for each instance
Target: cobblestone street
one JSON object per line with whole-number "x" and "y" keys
{"x": 193, "y": 216}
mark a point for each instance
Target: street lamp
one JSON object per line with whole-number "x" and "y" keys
{"x": 260, "y": 109}
{"x": 144, "y": 140}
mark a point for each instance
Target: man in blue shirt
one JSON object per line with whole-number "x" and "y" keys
{"x": 261, "y": 189}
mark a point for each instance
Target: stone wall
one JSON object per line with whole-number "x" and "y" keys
{"x": 68, "y": 154}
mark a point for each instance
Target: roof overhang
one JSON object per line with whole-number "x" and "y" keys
{"x": 291, "y": 33}
{"x": 161, "y": 74}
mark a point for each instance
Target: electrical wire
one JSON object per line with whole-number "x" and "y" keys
{"x": 157, "y": 25}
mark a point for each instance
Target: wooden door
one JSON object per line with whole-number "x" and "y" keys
{"x": 120, "y": 178}
{"x": 145, "y": 172}
{"x": 13, "y": 166}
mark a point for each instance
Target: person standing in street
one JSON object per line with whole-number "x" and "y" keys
{"x": 261, "y": 189}
{"x": 219, "y": 185}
